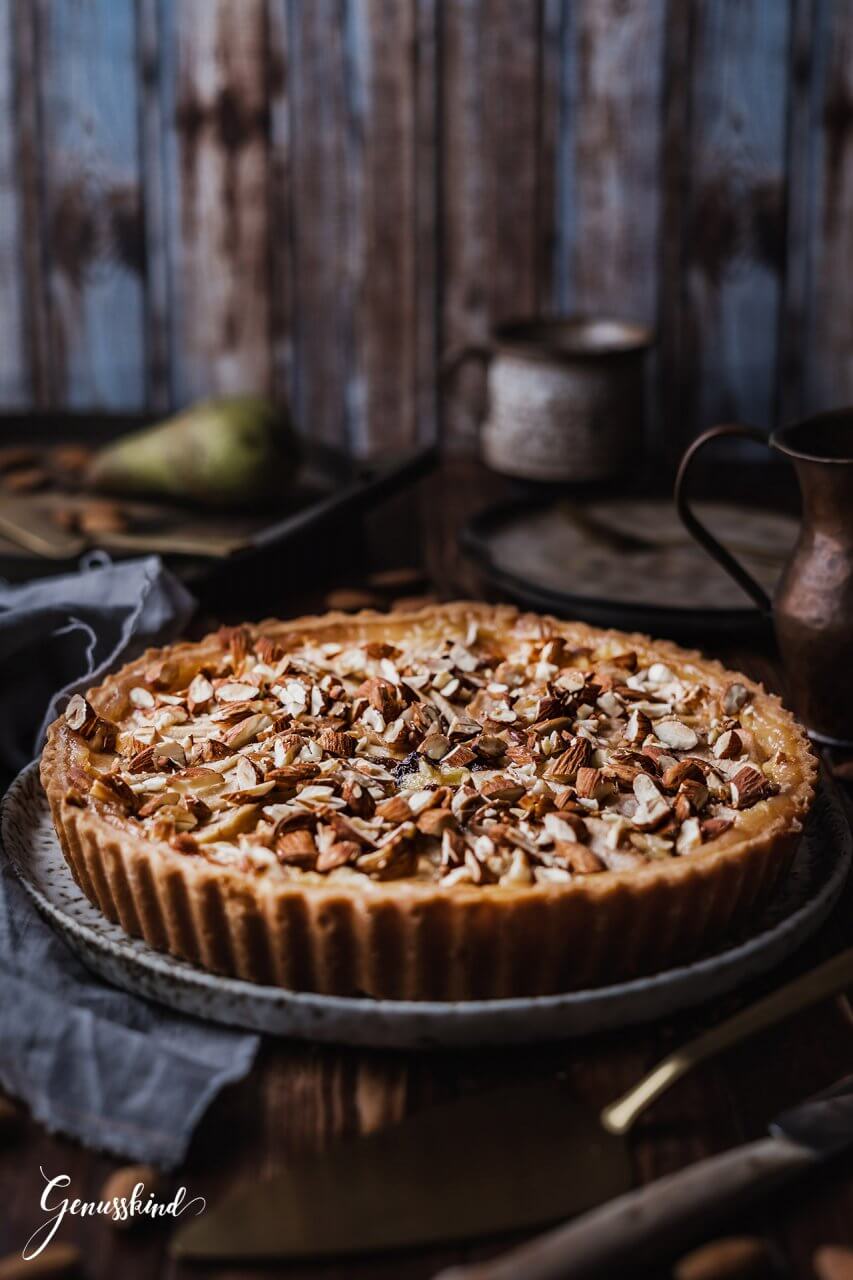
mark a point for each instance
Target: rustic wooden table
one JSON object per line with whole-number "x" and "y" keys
{"x": 302, "y": 1096}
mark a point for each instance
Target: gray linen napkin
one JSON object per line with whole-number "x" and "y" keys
{"x": 112, "y": 1070}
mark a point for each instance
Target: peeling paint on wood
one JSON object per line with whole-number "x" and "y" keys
{"x": 490, "y": 115}
{"x": 92, "y": 208}
{"x": 610, "y": 157}
{"x": 216, "y": 118}
{"x": 14, "y": 383}
{"x": 735, "y": 217}
{"x": 827, "y": 319}
{"x": 317, "y": 199}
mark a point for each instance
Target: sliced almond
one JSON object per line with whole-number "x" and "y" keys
{"x": 199, "y": 694}
{"x": 296, "y": 849}
{"x": 735, "y": 697}
{"x": 674, "y": 733}
{"x": 578, "y": 858}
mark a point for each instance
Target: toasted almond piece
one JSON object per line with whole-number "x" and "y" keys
{"x": 358, "y": 799}
{"x": 748, "y": 786}
{"x": 233, "y": 822}
{"x": 199, "y": 694}
{"x": 695, "y": 793}
{"x": 392, "y": 861}
{"x": 237, "y": 691}
{"x": 238, "y": 642}
{"x": 382, "y": 695}
{"x": 246, "y": 773}
{"x": 296, "y": 849}
{"x": 578, "y": 857}
{"x": 502, "y": 789}
{"x": 566, "y": 827}
{"x": 674, "y": 733}
{"x": 338, "y": 855}
{"x": 346, "y": 830}
{"x": 735, "y": 697}
{"x": 460, "y": 757}
{"x": 565, "y": 766}
{"x": 679, "y": 772}
{"x": 348, "y": 598}
{"x": 729, "y": 745}
{"x": 269, "y": 651}
{"x": 713, "y": 827}
{"x": 183, "y": 842}
{"x": 291, "y": 774}
{"x": 246, "y": 731}
{"x": 162, "y": 674}
{"x": 142, "y": 697}
{"x": 435, "y": 746}
{"x": 622, "y": 772}
{"x": 589, "y": 782}
{"x": 394, "y": 809}
{"x": 689, "y": 837}
{"x": 730, "y": 1258}
{"x": 57, "y": 1261}
{"x": 80, "y": 715}
{"x": 639, "y": 726}
{"x": 334, "y": 743}
{"x": 433, "y": 822}
{"x": 112, "y": 790}
{"x": 831, "y": 1262}
{"x": 627, "y": 661}
{"x": 142, "y": 761}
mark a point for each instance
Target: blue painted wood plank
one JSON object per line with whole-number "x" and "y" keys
{"x": 734, "y": 233}
{"x": 14, "y": 381}
{"x": 609, "y": 155}
{"x": 92, "y": 210}
{"x": 216, "y": 161}
{"x": 324, "y": 262}
{"x": 489, "y": 216}
{"x": 818, "y": 310}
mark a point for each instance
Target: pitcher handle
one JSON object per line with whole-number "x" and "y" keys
{"x": 702, "y": 535}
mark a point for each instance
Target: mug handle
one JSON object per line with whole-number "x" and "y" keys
{"x": 453, "y": 359}
{"x": 698, "y": 531}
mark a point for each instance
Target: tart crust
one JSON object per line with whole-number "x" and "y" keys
{"x": 405, "y": 939}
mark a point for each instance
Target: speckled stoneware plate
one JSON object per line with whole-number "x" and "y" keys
{"x": 30, "y": 842}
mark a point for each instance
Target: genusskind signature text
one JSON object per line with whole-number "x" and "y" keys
{"x": 118, "y": 1209}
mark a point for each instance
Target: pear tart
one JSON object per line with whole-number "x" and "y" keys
{"x": 459, "y": 802}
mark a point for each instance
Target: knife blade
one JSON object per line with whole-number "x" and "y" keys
{"x": 508, "y": 1159}
{"x": 636, "y": 1229}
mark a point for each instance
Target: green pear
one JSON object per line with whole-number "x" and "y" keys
{"x": 228, "y": 452}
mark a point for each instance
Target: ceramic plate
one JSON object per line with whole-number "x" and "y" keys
{"x": 30, "y": 842}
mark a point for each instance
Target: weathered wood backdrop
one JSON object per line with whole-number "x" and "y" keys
{"x": 316, "y": 197}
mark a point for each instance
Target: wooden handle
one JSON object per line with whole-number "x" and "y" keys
{"x": 826, "y": 980}
{"x": 664, "y": 1216}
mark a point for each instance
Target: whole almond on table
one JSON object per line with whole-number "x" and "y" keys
{"x": 347, "y": 598}
{"x": 55, "y": 1262}
{"x": 730, "y": 1258}
{"x": 833, "y": 1262}
{"x": 119, "y": 1186}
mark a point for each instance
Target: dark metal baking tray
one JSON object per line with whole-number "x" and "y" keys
{"x": 332, "y": 494}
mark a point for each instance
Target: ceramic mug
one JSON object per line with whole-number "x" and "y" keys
{"x": 565, "y": 396}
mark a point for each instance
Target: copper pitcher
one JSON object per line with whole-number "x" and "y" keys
{"x": 812, "y": 606}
